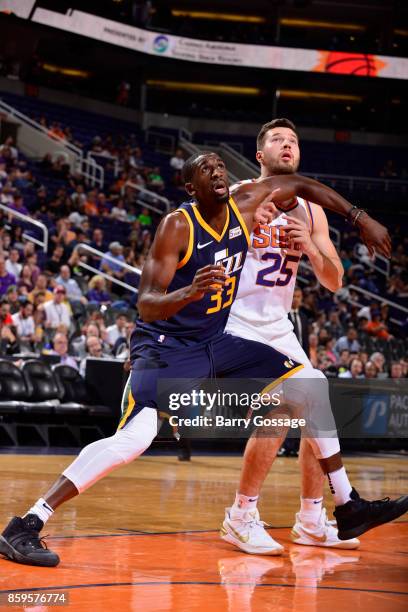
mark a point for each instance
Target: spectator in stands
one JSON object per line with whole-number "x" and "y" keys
{"x": 56, "y": 131}
{"x": 56, "y": 311}
{"x": 121, "y": 348}
{"x": 24, "y": 324}
{"x": 41, "y": 285}
{"x": 60, "y": 347}
{"x": 5, "y": 316}
{"x": 57, "y": 258}
{"x": 389, "y": 170}
{"x": 8, "y": 148}
{"x": 396, "y": 370}
{"x": 65, "y": 235}
{"x": 333, "y": 325}
{"x": 12, "y": 264}
{"x": 117, "y": 330}
{"x": 8, "y": 341}
{"x": 111, "y": 267}
{"x": 26, "y": 279}
{"x": 12, "y": 299}
{"x": 119, "y": 211}
{"x": 355, "y": 371}
{"x": 136, "y": 159}
{"x": 370, "y": 370}
{"x": 94, "y": 349}
{"x": 31, "y": 261}
{"x": 97, "y": 293}
{"x": 6, "y": 279}
{"x": 376, "y": 327}
{"x": 18, "y": 205}
{"x": 155, "y": 180}
{"x": 177, "y": 161}
{"x": 91, "y": 204}
{"x": 344, "y": 360}
{"x": 98, "y": 241}
{"x": 379, "y": 361}
{"x": 145, "y": 218}
{"x": 79, "y": 196}
{"x": 349, "y": 342}
{"x": 71, "y": 286}
{"x": 329, "y": 353}
{"x": 404, "y": 365}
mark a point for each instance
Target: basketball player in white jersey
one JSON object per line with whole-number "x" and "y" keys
{"x": 260, "y": 312}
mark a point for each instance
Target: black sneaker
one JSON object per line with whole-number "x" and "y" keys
{"x": 359, "y": 515}
{"x": 20, "y": 542}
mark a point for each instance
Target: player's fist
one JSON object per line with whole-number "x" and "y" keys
{"x": 374, "y": 235}
{"x": 209, "y": 279}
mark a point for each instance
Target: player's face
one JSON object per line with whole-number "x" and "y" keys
{"x": 280, "y": 153}
{"x": 210, "y": 180}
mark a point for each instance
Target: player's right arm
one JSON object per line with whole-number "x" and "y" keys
{"x": 169, "y": 247}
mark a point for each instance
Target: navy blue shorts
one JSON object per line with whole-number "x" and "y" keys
{"x": 158, "y": 357}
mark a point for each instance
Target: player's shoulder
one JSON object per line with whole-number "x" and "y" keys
{"x": 177, "y": 220}
{"x": 236, "y": 186}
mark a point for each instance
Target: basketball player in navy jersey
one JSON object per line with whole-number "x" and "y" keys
{"x": 197, "y": 249}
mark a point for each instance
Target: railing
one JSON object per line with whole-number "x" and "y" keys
{"x": 366, "y": 182}
{"x": 192, "y": 148}
{"x": 151, "y": 198}
{"x": 85, "y": 248}
{"x": 35, "y": 141}
{"x": 104, "y": 157}
{"x": 185, "y": 134}
{"x": 378, "y": 298}
{"x": 249, "y": 169}
{"x": 41, "y": 243}
{"x": 162, "y": 142}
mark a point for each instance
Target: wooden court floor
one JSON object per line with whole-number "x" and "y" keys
{"x": 146, "y": 538}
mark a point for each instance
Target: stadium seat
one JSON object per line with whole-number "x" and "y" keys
{"x": 75, "y": 396}
{"x": 45, "y": 391}
{"x": 13, "y": 388}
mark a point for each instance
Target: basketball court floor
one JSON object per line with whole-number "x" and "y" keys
{"x": 146, "y": 538}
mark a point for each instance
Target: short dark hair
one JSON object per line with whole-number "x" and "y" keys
{"x": 189, "y": 166}
{"x": 269, "y": 126}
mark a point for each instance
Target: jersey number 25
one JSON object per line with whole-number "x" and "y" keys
{"x": 282, "y": 267}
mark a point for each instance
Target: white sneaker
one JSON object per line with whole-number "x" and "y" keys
{"x": 245, "y": 530}
{"x": 324, "y": 533}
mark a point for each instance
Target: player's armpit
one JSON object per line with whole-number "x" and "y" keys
{"x": 168, "y": 248}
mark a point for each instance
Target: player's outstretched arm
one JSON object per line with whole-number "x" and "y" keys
{"x": 169, "y": 247}
{"x": 287, "y": 186}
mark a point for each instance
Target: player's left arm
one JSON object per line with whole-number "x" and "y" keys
{"x": 283, "y": 188}
{"x": 318, "y": 247}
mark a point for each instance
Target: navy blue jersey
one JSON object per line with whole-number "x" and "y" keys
{"x": 203, "y": 319}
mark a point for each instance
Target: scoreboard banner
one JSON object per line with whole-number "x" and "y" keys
{"x": 212, "y": 52}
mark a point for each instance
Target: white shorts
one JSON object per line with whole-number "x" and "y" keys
{"x": 287, "y": 343}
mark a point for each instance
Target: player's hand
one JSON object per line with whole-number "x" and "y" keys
{"x": 297, "y": 235}
{"x": 266, "y": 211}
{"x": 374, "y": 235}
{"x": 209, "y": 279}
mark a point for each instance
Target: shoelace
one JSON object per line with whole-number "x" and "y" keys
{"x": 254, "y": 522}
{"x": 35, "y": 542}
{"x": 379, "y": 502}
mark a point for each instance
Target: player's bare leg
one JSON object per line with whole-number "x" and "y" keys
{"x": 312, "y": 527}
{"x": 20, "y": 540}
{"x": 242, "y": 526}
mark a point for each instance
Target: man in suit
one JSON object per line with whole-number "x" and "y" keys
{"x": 299, "y": 320}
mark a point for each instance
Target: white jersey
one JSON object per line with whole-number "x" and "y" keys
{"x": 264, "y": 298}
